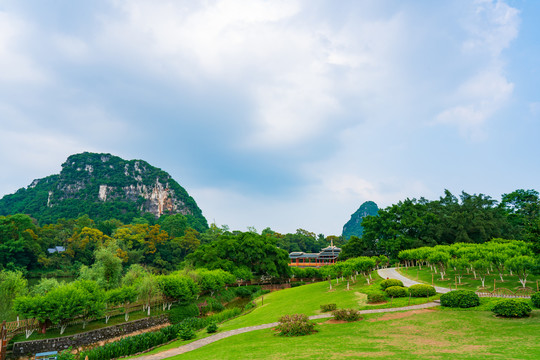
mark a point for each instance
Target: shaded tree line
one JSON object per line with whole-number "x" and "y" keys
{"x": 415, "y": 223}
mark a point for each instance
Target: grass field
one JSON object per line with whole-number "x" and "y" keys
{"x": 421, "y": 334}
{"x": 306, "y": 299}
{"x": 468, "y": 282}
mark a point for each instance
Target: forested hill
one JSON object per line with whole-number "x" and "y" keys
{"x": 353, "y": 227}
{"x": 103, "y": 187}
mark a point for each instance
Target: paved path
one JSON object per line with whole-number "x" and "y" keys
{"x": 393, "y": 274}
{"x": 202, "y": 342}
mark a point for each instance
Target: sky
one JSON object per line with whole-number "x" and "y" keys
{"x": 283, "y": 114}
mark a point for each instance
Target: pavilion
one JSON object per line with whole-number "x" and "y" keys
{"x": 327, "y": 256}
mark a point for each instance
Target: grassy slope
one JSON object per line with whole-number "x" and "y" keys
{"x": 467, "y": 282}
{"x": 428, "y": 334}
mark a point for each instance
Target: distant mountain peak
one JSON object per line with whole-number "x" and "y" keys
{"x": 354, "y": 226}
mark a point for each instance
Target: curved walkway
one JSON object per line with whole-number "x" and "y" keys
{"x": 208, "y": 340}
{"x": 393, "y": 274}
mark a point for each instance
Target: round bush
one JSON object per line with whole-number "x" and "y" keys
{"x": 422, "y": 290}
{"x": 295, "y": 325}
{"x": 397, "y": 291}
{"x": 535, "y": 298}
{"x": 512, "y": 308}
{"x": 346, "y": 315}
{"x": 328, "y": 307}
{"x": 460, "y": 299}
{"x": 186, "y": 333}
{"x": 374, "y": 298}
{"x": 390, "y": 282}
{"x": 212, "y": 328}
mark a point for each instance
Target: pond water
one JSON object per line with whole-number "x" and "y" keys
{"x": 238, "y": 303}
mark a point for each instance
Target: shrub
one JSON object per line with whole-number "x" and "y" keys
{"x": 297, "y": 283}
{"x": 295, "y": 325}
{"x": 512, "y": 308}
{"x": 243, "y": 292}
{"x": 215, "y": 305}
{"x": 422, "y": 290}
{"x": 374, "y": 298}
{"x": 179, "y": 313}
{"x": 212, "y": 328}
{"x": 396, "y": 291}
{"x": 390, "y": 282}
{"x": 346, "y": 314}
{"x": 328, "y": 307}
{"x": 186, "y": 333}
{"x": 535, "y": 298}
{"x": 460, "y": 298}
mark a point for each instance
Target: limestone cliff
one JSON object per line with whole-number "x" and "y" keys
{"x": 102, "y": 186}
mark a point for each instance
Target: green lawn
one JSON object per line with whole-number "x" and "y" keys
{"x": 467, "y": 282}
{"x": 423, "y": 334}
{"x": 305, "y": 299}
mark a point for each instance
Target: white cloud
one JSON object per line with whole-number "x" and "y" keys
{"x": 17, "y": 67}
{"x": 491, "y": 28}
{"x": 479, "y": 98}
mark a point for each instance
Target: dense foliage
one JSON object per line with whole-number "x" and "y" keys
{"x": 512, "y": 308}
{"x": 249, "y": 250}
{"x": 460, "y": 299}
{"x": 476, "y": 219}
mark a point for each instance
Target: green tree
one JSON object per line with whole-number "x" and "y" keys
{"x": 522, "y": 266}
{"x": 12, "y": 285}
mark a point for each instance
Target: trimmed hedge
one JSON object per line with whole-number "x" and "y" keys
{"x": 295, "y": 325}
{"x": 422, "y": 290}
{"x": 396, "y": 291}
{"x": 347, "y": 314}
{"x": 376, "y": 298}
{"x": 535, "y": 298}
{"x": 512, "y": 308}
{"x": 328, "y": 307}
{"x": 460, "y": 299}
{"x": 390, "y": 282}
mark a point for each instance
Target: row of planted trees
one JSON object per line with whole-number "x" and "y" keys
{"x": 83, "y": 300}
{"x": 497, "y": 256}
{"x": 345, "y": 270}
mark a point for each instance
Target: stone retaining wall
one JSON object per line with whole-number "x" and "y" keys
{"x": 90, "y": 337}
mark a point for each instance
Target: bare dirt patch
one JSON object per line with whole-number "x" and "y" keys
{"x": 400, "y": 315}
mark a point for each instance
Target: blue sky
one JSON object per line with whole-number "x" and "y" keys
{"x": 287, "y": 114}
